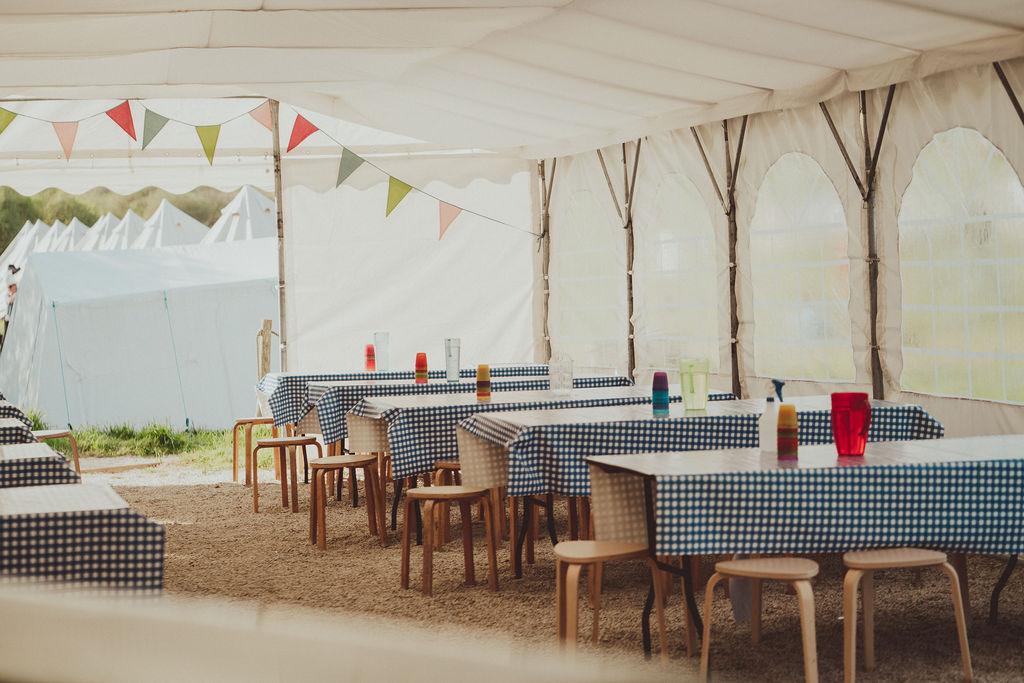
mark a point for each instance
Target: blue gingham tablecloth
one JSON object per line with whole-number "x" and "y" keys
{"x": 551, "y": 458}
{"x": 34, "y": 464}
{"x": 82, "y": 534}
{"x": 288, "y": 393}
{"x": 332, "y": 403}
{"x": 9, "y": 410}
{"x": 13, "y": 430}
{"x": 420, "y": 436}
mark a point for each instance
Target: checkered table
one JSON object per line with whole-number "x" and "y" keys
{"x": 9, "y": 410}
{"x": 34, "y": 464}
{"x": 80, "y": 533}
{"x": 420, "y": 430}
{"x": 288, "y": 394}
{"x": 545, "y": 452}
{"x": 13, "y": 430}
{"x": 332, "y": 400}
{"x": 959, "y": 495}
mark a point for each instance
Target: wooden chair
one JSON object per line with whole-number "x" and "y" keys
{"x": 322, "y": 467}
{"x": 571, "y": 557}
{"x": 283, "y": 446}
{"x": 246, "y": 423}
{"x": 465, "y": 496}
{"x": 795, "y": 571}
{"x": 51, "y": 434}
{"x": 862, "y": 565}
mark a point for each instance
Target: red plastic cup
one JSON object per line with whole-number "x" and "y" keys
{"x": 421, "y": 368}
{"x": 371, "y": 358}
{"x": 851, "y": 418}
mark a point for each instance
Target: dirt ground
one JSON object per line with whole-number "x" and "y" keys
{"x": 216, "y": 546}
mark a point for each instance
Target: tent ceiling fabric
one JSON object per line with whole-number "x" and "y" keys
{"x": 531, "y": 77}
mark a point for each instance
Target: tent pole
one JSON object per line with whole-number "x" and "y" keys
{"x": 1009, "y": 90}
{"x": 546, "y": 185}
{"x": 731, "y": 172}
{"x": 275, "y": 120}
{"x": 630, "y": 186}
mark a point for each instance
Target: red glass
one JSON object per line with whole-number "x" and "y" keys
{"x": 371, "y": 358}
{"x": 851, "y": 418}
{"x": 421, "y": 368}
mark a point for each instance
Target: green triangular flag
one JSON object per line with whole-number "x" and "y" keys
{"x": 208, "y": 136}
{"x": 396, "y": 193}
{"x": 5, "y": 119}
{"x": 153, "y": 124}
{"x": 350, "y": 161}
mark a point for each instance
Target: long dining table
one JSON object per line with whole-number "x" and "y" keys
{"x": 961, "y": 495}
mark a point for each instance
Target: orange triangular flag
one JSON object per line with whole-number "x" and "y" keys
{"x": 66, "y": 132}
{"x": 122, "y": 116}
{"x": 262, "y": 115}
{"x": 446, "y": 214}
{"x": 300, "y": 131}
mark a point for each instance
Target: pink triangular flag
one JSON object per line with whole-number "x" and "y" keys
{"x": 122, "y": 116}
{"x": 262, "y": 115}
{"x": 446, "y": 214}
{"x": 66, "y": 132}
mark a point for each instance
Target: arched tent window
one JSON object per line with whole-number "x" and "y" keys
{"x": 800, "y": 272}
{"x": 675, "y": 276}
{"x": 961, "y": 245}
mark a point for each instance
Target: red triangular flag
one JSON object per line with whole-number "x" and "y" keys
{"x": 446, "y": 214}
{"x": 66, "y": 132}
{"x": 300, "y": 131}
{"x": 262, "y": 115}
{"x": 122, "y": 116}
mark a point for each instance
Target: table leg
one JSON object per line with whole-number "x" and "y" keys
{"x": 513, "y": 534}
{"x": 645, "y": 620}
{"x": 523, "y": 531}
{"x": 394, "y": 503}
{"x": 993, "y": 609}
{"x": 549, "y": 505}
{"x": 295, "y": 479}
{"x": 283, "y": 474}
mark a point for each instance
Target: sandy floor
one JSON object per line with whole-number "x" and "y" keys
{"x": 217, "y": 546}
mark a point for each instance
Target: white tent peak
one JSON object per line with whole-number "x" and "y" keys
{"x": 98, "y": 233}
{"x": 249, "y": 215}
{"x": 15, "y": 245}
{"x": 70, "y": 236}
{"x": 169, "y": 226}
{"x": 124, "y": 234}
{"x": 46, "y": 235}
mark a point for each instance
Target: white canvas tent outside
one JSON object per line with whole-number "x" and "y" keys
{"x": 148, "y": 335}
{"x": 124, "y": 234}
{"x": 13, "y": 247}
{"x": 70, "y": 236}
{"x": 26, "y": 244}
{"x": 169, "y": 226}
{"x": 249, "y": 215}
{"x": 98, "y": 233}
{"x": 49, "y": 237}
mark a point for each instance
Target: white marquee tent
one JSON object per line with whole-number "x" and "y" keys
{"x": 109, "y": 338}
{"x": 169, "y": 226}
{"x": 699, "y": 198}
{"x": 98, "y": 233}
{"x": 13, "y": 246}
{"x": 124, "y": 234}
{"x": 70, "y": 237}
{"x": 249, "y": 215}
{"x": 48, "y": 236}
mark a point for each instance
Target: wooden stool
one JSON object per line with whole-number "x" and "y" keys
{"x": 795, "y": 571}
{"x": 570, "y": 558}
{"x": 318, "y": 495}
{"x": 465, "y": 497}
{"x": 247, "y": 423}
{"x": 282, "y": 446}
{"x": 51, "y": 434}
{"x": 862, "y": 566}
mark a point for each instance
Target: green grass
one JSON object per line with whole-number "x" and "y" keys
{"x": 203, "y": 448}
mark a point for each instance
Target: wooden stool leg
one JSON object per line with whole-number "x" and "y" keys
{"x": 586, "y": 520}
{"x": 574, "y": 522}
{"x": 961, "y": 620}
{"x": 313, "y": 492}
{"x": 807, "y": 630}
{"x": 371, "y": 501}
{"x": 959, "y": 562}
{"x": 466, "y": 511}
{"x": 850, "y": 585}
{"x": 596, "y": 579}
{"x": 867, "y": 599}
{"x": 74, "y": 454}
{"x": 321, "y": 508}
{"x": 705, "y": 645}
{"x": 375, "y": 488}
{"x": 444, "y": 513}
{"x": 658, "y": 578}
{"x": 283, "y": 469}
{"x": 255, "y": 484}
{"x": 560, "y": 605}
{"x": 428, "y": 547}
{"x": 248, "y": 454}
{"x": 353, "y": 487}
{"x": 234, "y": 452}
{"x": 755, "y": 611}
{"x": 491, "y": 532}
{"x": 572, "y": 586}
{"x": 295, "y": 480}
{"x": 692, "y": 650}
{"x": 407, "y": 522}
{"x": 513, "y": 534}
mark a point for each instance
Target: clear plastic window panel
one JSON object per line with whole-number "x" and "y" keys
{"x": 961, "y": 231}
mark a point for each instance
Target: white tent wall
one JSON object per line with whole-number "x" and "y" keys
{"x": 478, "y": 283}
{"x": 971, "y": 97}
